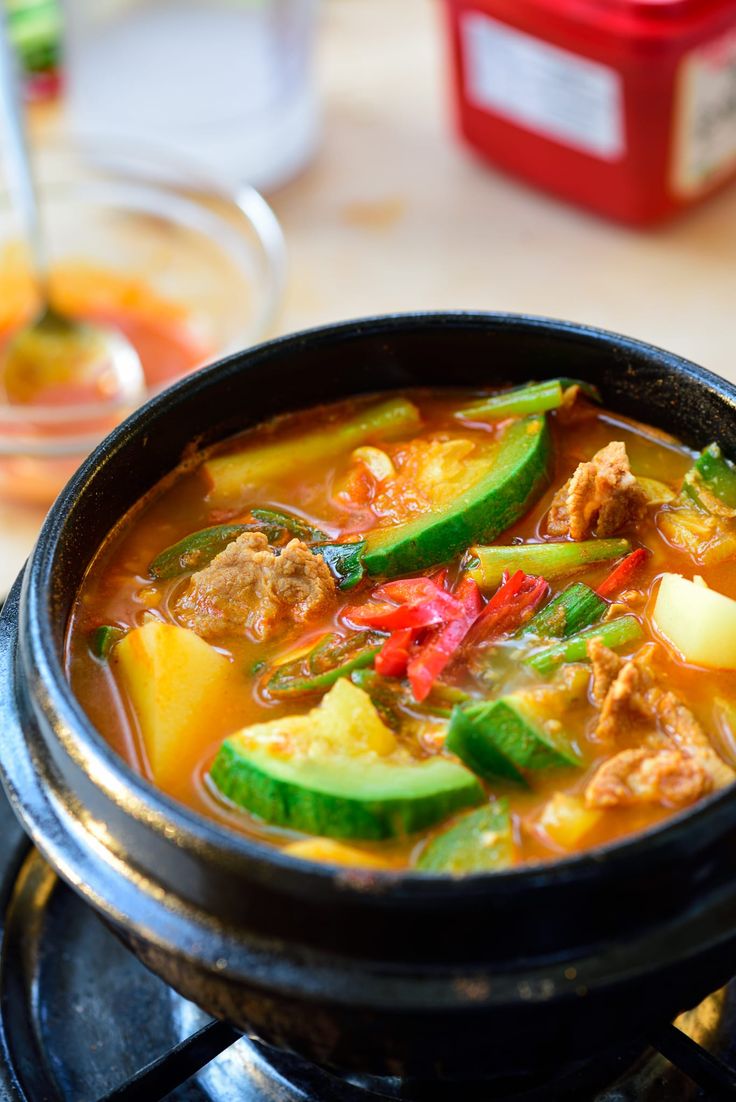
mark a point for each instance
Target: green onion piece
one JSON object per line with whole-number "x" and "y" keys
{"x": 713, "y": 473}
{"x": 335, "y": 657}
{"x": 104, "y": 638}
{"x": 196, "y": 550}
{"x": 345, "y": 560}
{"x": 318, "y": 659}
{"x": 590, "y": 390}
{"x": 536, "y": 398}
{"x": 448, "y": 694}
{"x": 575, "y": 608}
{"x": 295, "y": 526}
{"x": 613, "y": 633}
{"x": 551, "y": 560}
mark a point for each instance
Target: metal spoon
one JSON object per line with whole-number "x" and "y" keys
{"x": 55, "y": 360}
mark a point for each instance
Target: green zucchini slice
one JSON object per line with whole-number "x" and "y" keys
{"x": 504, "y": 739}
{"x": 342, "y": 798}
{"x": 513, "y": 483}
{"x": 339, "y": 772}
{"x": 480, "y": 841}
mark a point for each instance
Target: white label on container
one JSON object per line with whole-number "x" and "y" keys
{"x": 543, "y": 88}
{"x": 705, "y": 136}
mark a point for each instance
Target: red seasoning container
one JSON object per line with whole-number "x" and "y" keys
{"x": 627, "y": 107}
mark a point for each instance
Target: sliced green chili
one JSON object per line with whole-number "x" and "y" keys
{"x": 333, "y": 657}
{"x": 196, "y": 550}
{"x": 295, "y": 526}
{"x": 104, "y": 638}
{"x": 344, "y": 560}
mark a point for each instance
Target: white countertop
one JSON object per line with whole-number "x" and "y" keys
{"x": 394, "y": 215}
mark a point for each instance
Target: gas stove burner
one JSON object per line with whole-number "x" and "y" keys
{"x": 81, "y": 1018}
{"x": 650, "y": 1077}
{"x": 251, "y": 1062}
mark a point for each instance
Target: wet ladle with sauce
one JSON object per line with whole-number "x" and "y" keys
{"x": 55, "y": 360}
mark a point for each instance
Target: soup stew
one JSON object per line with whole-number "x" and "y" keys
{"x": 448, "y": 632}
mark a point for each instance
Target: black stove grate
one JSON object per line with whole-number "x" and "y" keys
{"x": 177, "y": 1066}
{"x": 81, "y": 1020}
{"x": 164, "y": 1075}
{"x": 709, "y": 1072}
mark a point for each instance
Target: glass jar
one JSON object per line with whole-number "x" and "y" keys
{"x": 227, "y": 82}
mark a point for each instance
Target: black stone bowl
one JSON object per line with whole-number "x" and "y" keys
{"x": 489, "y": 975}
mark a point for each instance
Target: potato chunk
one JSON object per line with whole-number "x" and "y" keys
{"x": 173, "y": 680}
{"x": 699, "y": 622}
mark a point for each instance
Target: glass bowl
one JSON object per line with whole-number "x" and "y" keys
{"x": 215, "y": 253}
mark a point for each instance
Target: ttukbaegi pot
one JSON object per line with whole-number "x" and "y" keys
{"x": 383, "y": 972}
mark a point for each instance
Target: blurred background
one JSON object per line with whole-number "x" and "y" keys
{"x": 572, "y": 159}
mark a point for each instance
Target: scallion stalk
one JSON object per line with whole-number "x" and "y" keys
{"x": 575, "y": 608}
{"x": 613, "y": 633}
{"x": 551, "y": 560}
{"x": 535, "y": 398}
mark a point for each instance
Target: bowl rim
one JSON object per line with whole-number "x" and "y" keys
{"x": 140, "y": 796}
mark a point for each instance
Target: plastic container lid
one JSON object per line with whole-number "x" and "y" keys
{"x": 655, "y": 21}
{"x": 663, "y": 7}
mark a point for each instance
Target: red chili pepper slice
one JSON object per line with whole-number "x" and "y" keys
{"x": 428, "y": 662}
{"x": 417, "y": 590}
{"x": 423, "y": 603}
{"x": 440, "y": 576}
{"x": 385, "y": 617}
{"x": 621, "y": 574}
{"x": 392, "y": 658}
{"x": 510, "y": 606}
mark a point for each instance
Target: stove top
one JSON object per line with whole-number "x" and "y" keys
{"x": 81, "y": 1020}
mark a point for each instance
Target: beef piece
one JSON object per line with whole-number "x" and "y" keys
{"x": 601, "y": 498}
{"x": 606, "y": 666}
{"x": 628, "y": 693}
{"x": 623, "y": 703}
{"x": 678, "y": 722}
{"x": 630, "y": 777}
{"x": 249, "y": 588}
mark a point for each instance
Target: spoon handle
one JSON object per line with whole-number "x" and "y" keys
{"x": 16, "y": 150}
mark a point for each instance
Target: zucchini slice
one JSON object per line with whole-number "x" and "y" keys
{"x": 513, "y": 483}
{"x": 342, "y": 798}
{"x": 339, "y": 772}
{"x": 500, "y": 738}
{"x": 480, "y": 841}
